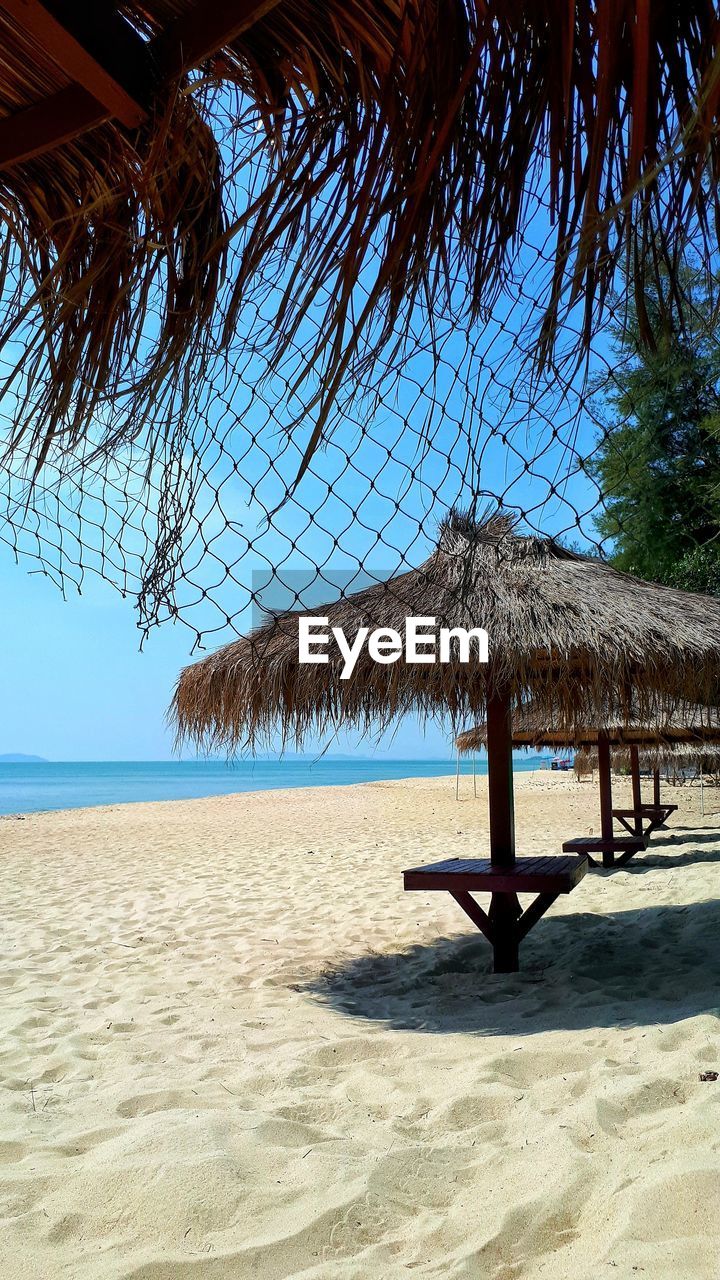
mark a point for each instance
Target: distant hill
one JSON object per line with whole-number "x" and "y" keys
{"x": 15, "y": 757}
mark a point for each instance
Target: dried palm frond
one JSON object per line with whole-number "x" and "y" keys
{"x": 353, "y": 150}
{"x": 567, "y": 630}
{"x": 686, "y": 724}
{"x": 402, "y": 146}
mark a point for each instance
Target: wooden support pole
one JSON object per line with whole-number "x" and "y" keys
{"x": 93, "y": 45}
{"x": 203, "y": 30}
{"x": 656, "y": 786}
{"x": 500, "y": 780}
{"x": 63, "y": 116}
{"x": 504, "y": 907}
{"x": 636, "y": 790}
{"x": 605, "y": 782}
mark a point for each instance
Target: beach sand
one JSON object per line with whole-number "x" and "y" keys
{"x": 233, "y": 1047}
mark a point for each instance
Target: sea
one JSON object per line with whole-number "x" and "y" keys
{"x": 37, "y": 787}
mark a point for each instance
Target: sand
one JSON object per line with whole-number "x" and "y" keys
{"x": 233, "y": 1047}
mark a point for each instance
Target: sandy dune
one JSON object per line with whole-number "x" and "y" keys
{"x": 232, "y": 1047}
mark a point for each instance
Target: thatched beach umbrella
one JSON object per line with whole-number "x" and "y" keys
{"x": 428, "y": 127}
{"x": 565, "y": 629}
{"x": 687, "y": 725}
{"x": 703, "y": 757}
{"x": 139, "y": 141}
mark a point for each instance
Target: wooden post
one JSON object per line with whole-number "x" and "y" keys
{"x": 504, "y": 907}
{"x": 702, "y": 789}
{"x": 500, "y": 780}
{"x": 636, "y": 792}
{"x": 656, "y": 786}
{"x": 605, "y": 782}
{"x": 457, "y": 775}
{"x": 474, "y": 776}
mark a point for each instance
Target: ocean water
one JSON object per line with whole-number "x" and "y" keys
{"x": 31, "y": 788}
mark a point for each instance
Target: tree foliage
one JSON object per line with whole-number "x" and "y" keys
{"x": 658, "y": 462}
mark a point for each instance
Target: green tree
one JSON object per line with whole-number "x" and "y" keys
{"x": 658, "y": 462}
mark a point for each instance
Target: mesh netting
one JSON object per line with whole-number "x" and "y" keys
{"x": 267, "y": 477}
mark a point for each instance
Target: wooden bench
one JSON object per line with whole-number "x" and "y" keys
{"x": 643, "y": 820}
{"x": 624, "y": 846}
{"x": 506, "y": 924}
{"x": 659, "y": 813}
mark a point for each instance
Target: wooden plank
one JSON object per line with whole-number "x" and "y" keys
{"x": 500, "y": 778}
{"x": 635, "y": 777}
{"x": 63, "y": 39}
{"x": 605, "y": 785}
{"x": 203, "y": 31}
{"x": 500, "y": 880}
{"x": 505, "y": 911}
{"x": 632, "y": 820}
{"x": 534, "y": 913}
{"x": 61, "y": 117}
{"x": 474, "y": 911}
{"x": 596, "y": 844}
{"x": 483, "y": 866}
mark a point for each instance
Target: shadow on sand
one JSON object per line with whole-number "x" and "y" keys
{"x": 641, "y": 967}
{"x": 653, "y": 860}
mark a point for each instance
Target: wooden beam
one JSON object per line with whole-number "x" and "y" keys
{"x": 69, "y": 41}
{"x": 474, "y": 911}
{"x": 113, "y": 69}
{"x": 500, "y": 779}
{"x": 57, "y": 119}
{"x": 605, "y": 784}
{"x": 197, "y": 35}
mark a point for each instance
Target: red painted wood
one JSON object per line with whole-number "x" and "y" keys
{"x": 500, "y": 779}
{"x": 475, "y": 912}
{"x": 67, "y": 48}
{"x": 528, "y": 875}
{"x": 605, "y": 784}
{"x": 636, "y": 791}
{"x": 198, "y": 34}
{"x": 59, "y": 118}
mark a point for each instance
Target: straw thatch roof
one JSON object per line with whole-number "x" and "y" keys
{"x": 568, "y": 630}
{"x": 121, "y": 128}
{"x": 424, "y": 132}
{"x": 662, "y": 755}
{"x": 684, "y": 724}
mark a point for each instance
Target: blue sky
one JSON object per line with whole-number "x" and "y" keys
{"x": 74, "y": 685}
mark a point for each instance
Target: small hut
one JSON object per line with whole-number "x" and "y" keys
{"x": 564, "y": 629}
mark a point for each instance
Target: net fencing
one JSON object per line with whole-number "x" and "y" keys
{"x": 291, "y": 469}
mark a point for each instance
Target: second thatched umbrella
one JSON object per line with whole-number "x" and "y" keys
{"x": 564, "y": 629}
{"x": 688, "y": 724}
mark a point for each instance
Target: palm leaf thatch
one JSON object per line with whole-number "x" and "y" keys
{"x": 615, "y": 107}
{"x": 660, "y": 755}
{"x": 399, "y": 143}
{"x": 567, "y": 630}
{"x": 351, "y": 128}
{"x": 687, "y": 724}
